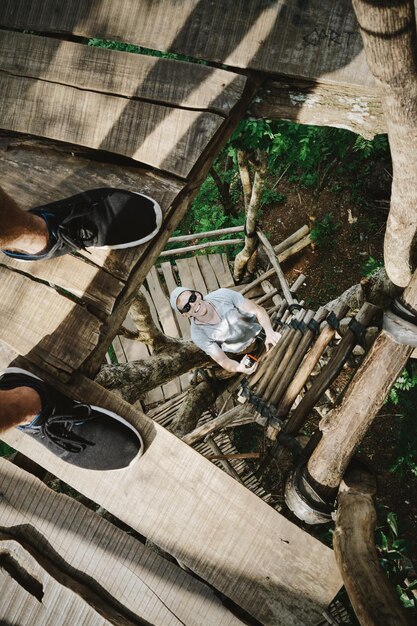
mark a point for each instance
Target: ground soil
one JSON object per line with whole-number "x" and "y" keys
{"x": 330, "y": 269}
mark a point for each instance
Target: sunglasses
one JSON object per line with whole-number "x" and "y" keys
{"x": 192, "y": 298}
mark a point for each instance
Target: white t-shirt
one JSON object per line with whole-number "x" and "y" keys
{"x": 236, "y": 329}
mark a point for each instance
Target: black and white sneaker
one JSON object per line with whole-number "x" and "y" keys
{"x": 99, "y": 218}
{"x": 83, "y": 435}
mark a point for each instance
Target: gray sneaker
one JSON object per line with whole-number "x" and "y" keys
{"x": 80, "y": 434}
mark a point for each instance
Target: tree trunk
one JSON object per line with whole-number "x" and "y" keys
{"x": 197, "y": 400}
{"x": 373, "y": 598}
{"x": 389, "y": 34}
{"x": 135, "y": 379}
{"x": 224, "y": 193}
{"x": 251, "y": 240}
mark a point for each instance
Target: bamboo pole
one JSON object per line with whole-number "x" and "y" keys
{"x": 225, "y": 463}
{"x": 201, "y": 246}
{"x": 275, "y": 264}
{"x": 299, "y": 234}
{"x": 309, "y": 363}
{"x": 209, "y": 233}
{"x": 330, "y": 372}
{"x": 216, "y": 424}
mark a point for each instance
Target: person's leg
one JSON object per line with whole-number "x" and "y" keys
{"x": 21, "y": 231}
{"x": 18, "y": 406}
{"x": 84, "y": 435}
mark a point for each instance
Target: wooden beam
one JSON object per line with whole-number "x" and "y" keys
{"x": 321, "y": 103}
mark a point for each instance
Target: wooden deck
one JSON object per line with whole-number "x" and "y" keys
{"x": 95, "y": 118}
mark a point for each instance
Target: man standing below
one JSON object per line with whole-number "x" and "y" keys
{"x": 225, "y": 322}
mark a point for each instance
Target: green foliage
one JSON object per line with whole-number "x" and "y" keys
{"x": 371, "y": 266}
{"x": 404, "y": 382}
{"x": 129, "y": 47}
{"x": 392, "y": 548}
{"x": 5, "y": 450}
{"x": 323, "y": 231}
{"x": 270, "y": 196}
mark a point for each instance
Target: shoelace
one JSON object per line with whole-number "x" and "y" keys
{"x": 76, "y": 231}
{"x": 63, "y": 437}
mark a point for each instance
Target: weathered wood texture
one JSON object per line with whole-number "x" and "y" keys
{"x": 194, "y": 511}
{"x": 26, "y": 166}
{"x": 135, "y": 76}
{"x": 37, "y": 320}
{"x": 372, "y": 596}
{"x": 344, "y": 428}
{"x": 88, "y": 110}
{"x": 169, "y": 139}
{"x": 91, "y": 552}
{"x": 309, "y": 40}
{"x": 358, "y": 109}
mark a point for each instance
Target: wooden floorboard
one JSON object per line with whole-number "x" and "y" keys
{"x": 170, "y": 139}
{"x": 221, "y": 269}
{"x": 38, "y": 321}
{"x": 179, "y": 500}
{"x": 163, "y": 81}
{"x": 75, "y": 275}
{"x": 83, "y": 545}
{"x": 206, "y": 269}
{"x": 306, "y": 40}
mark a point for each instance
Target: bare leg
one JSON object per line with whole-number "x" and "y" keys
{"x": 18, "y": 406}
{"x": 20, "y": 231}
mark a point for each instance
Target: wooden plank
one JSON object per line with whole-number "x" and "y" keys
{"x": 166, "y": 81}
{"x": 221, "y": 269}
{"x": 56, "y": 604}
{"x": 162, "y": 305}
{"x": 318, "y": 39}
{"x": 194, "y": 511}
{"x": 206, "y": 269}
{"x": 73, "y": 274}
{"x": 26, "y": 166}
{"x": 167, "y": 321}
{"x": 185, "y": 275}
{"x": 170, "y": 139}
{"x": 198, "y": 279}
{"x": 183, "y": 324}
{"x": 141, "y": 581}
{"x": 36, "y": 320}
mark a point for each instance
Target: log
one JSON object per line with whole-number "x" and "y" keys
{"x": 297, "y": 357}
{"x": 275, "y": 264}
{"x": 201, "y": 246}
{"x": 210, "y": 233}
{"x": 372, "y": 596}
{"x": 309, "y": 363}
{"x": 329, "y": 373}
{"x": 216, "y": 424}
{"x": 343, "y": 429}
{"x": 274, "y": 384}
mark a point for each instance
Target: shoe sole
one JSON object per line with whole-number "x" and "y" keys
{"x": 18, "y": 370}
{"x": 138, "y": 242}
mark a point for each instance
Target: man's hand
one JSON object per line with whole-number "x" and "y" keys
{"x": 240, "y": 367}
{"x": 271, "y": 339}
